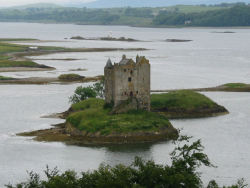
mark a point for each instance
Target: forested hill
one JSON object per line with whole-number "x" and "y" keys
{"x": 182, "y": 15}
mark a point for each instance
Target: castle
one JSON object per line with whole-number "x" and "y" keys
{"x": 128, "y": 80}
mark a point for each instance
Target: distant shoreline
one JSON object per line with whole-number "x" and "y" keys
{"x": 135, "y": 26}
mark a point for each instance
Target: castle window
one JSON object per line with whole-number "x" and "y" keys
{"x": 131, "y": 72}
{"x": 129, "y": 79}
{"x": 131, "y": 94}
{"x": 125, "y": 70}
{"x": 137, "y": 92}
{"x": 125, "y": 93}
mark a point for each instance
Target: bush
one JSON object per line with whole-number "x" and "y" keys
{"x": 82, "y": 93}
{"x": 70, "y": 77}
{"x": 182, "y": 173}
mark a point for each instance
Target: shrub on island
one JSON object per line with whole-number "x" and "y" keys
{"x": 185, "y": 104}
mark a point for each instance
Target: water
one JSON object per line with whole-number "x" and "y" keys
{"x": 210, "y": 59}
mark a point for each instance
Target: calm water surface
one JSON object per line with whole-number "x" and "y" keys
{"x": 210, "y": 59}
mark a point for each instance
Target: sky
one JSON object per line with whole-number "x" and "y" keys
{"x": 8, "y": 3}
{"x": 112, "y": 3}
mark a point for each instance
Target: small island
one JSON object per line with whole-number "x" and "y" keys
{"x": 185, "y": 104}
{"x": 229, "y": 87}
{"x": 129, "y": 114}
{"x": 106, "y": 39}
{"x": 177, "y": 40}
{"x": 62, "y": 79}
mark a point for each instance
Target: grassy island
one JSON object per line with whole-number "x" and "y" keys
{"x": 90, "y": 122}
{"x": 92, "y": 116}
{"x": 70, "y": 77}
{"x": 185, "y": 104}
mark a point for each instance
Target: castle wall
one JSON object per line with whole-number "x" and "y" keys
{"x": 124, "y": 81}
{"x": 143, "y": 85}
{"x": 109, "y": 84}
{"x": 125, "y": 77}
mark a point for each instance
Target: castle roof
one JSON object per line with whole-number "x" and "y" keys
{"x": 109, "y": 63}
{"x": 125, "y": 61}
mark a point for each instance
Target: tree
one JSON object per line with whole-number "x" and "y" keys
{"x": 186, "y": 158}
{"x": 82, "y": 93}
{"x": 99, "y": 88}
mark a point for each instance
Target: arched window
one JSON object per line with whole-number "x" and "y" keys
{"x": 131, "y": 94}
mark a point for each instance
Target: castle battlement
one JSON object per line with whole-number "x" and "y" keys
{"x": 128, "y": 79}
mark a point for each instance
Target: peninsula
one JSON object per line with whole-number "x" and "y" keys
{"x": 13, "y": 57}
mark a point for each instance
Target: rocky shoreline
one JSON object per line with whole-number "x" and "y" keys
{"x": 194, "y": 113}
{"x": 69, "y": 135}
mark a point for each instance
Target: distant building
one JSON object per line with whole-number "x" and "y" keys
{"x": 128, "y": 80}
{"x": 188, "y": 22}
{"x": 33, "y": 47}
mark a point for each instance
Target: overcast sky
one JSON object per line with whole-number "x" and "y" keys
{"x": 7, "y": 3}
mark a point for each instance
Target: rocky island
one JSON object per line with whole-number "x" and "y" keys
{"x": 106, "y": 39}
{"x": 127, "y": 115}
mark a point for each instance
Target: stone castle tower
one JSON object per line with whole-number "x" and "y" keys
{"x": 128, "y": 80}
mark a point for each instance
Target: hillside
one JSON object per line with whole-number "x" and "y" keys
{"x": 199, "y": 15}
{"x": 149, "y": 3}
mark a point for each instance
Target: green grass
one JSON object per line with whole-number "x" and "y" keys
{"x": 8, "y": 63}
{"x": 15, "y": 39}
{"x": 235, "y": 85}
{"x": 70, "y": 77}
{"x": 3, "y": 57}
{"x": 193, "y": 8}
{"x": 93, "y": 118}
{"x": 183, "y": 99}
{"x": 6, "y": 78}
{"x": 8, "y": 48}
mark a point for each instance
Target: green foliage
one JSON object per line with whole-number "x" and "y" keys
{"x": 7, "y": 48}
{"x": 6, "y": 78}
{"x": 182, "y": 173}
{"x": 200, "y": 15}
{"x": 235, "y": 85}
{"x": 82, "y": 93}
{"x": 15, "y": 39}
{"x": 238, "y": 15}
{"x": 183, "y": 99}
{"x": 9, "y": 63}
{"x": 70, "y": 77}
{"x": 86, "y": 104}
{"x": 99, "y": 88}
{"x": 91, "y": 116}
